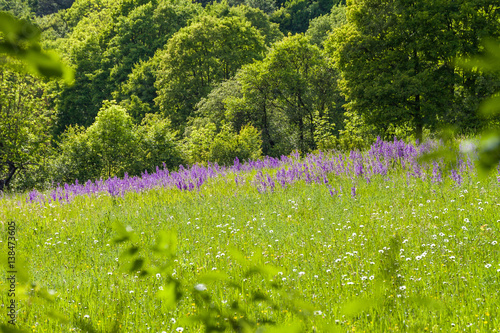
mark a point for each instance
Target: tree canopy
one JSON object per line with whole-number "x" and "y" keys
{"x": 199, "y": 56}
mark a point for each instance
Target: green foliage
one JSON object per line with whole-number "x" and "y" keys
{"x": 18, "y": 8}
{"x": 75, "y": 159}
{"x": 227, "y": 145}
{"x": 112, "y": 137}
{"x": 25, "y": 123}
{"x": 199, "y": 56}
{"x": 356, "y": 135}
{"x": 213, "y": 108}
{"x": 489, "y": 146}
{"x": 267, "y": 6}
{"x": 113, "y": 146}
{"x": 204, "y": 144}
{"x": 45, "y": 7}
{"x": 157, "y": 144}
{"x": 81, "y": 9}
{"x": 127, "y": 33}
{"x": 295, "y": 15}
{"x": 394, "y": 69}
{"x": 285, "y": 96}
{"x": 197, "y": 145}
{"x": 259, "y": 20}
{"x": 321, "y": 26}
{"x": 19, "y": 41}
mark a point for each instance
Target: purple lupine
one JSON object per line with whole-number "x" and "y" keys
{"x": 456, "y": 177}
{"x": 436, "y": 173}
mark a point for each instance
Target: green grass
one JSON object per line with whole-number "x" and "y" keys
{"x": 333, "y": 253}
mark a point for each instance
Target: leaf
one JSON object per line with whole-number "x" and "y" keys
{"x": 19, "y": 267}
{"x": 214, "y": 276}
{"x": 355, "y": 307}
{"x": 490, "y": 107}
{"x": 57, "y": 316}
{"x": 130, "y": 252}
{"x": 169, "y": 295}
{"x": 21, "y": 42}
{"x": 488, "y": 61}
{"x": 124, "y": 234}
{"x": 488, "y": 153}
{"x": 137, "y": 265}
{"x": 166, "y": 243}
{"x": 426, "y": 302}
{"x": 236, "y": 254}
{"x": 10, "y": 329}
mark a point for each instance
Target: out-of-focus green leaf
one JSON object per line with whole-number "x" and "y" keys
{"x": 491, "y": 106}
{"x": 355, "y": 307}
{"x": 58, "y": 316}
{"x": 214, "y": 276}
{"x": 170, "y": 295}
{"x": 488, "y": 152}
{"x": 19, "y": 40}
{"x": 295, "y": 327}
{"x": 488, "y": 61}
{"x": 10, "y": 329}
{"x": 166, "y": 243}
{"x": 426, "y": 302}
{"x": 124, "y": 233}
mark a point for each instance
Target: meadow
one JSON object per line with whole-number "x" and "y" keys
{"x": 373, "y": 241}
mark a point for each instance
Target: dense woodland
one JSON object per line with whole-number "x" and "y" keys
{"x": 170, "y": 82}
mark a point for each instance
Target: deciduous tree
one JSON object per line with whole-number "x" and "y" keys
{"x": 25, "y": 122}
{"x": 199, "y": 56}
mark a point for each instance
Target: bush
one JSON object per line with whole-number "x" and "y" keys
{"x": 112, "y": 138}
{"x": 75, "y": 160}
{"x": 204, "y": 144}
{"x": 113, "y": 146}
{"x": 157, "y": 144}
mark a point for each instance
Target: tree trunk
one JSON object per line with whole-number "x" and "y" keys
{"x": 10, "y": 174}
{"x": 419, "y": 125}
{"x": 301, "y": 135}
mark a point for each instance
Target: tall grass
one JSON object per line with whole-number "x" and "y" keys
{"x": 334, "y": 242}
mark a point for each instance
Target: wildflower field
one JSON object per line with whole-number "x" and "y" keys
{"x": 373, "y": 241}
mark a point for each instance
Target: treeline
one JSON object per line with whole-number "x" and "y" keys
{"x": 174, "y": 82}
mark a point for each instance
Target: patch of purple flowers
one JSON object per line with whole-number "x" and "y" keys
{"x": 380, "y": 159}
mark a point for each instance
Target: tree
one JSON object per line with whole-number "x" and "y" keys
{"x": 157, "y": 144}
{"x": 294, "y": 16}
{"x": 105, "y": 53}
{"x": 17, "y": 8}
{"x": 113, "y": 146}
{"x": 25, "y": 122}
{"x": 112, "y": 138}
{"x": 396, "y": 60}
{"x": 199, "y": 56}
{"x": 253, "y": 104}
{"x": 213, "y": 108}
{"x": 204, "y": 144}
{"x": 45, "y": 7}
{"x": 321, "y": 26}
{"x": 260, "y": 21}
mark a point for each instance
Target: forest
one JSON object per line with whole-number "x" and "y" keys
{"x": 172, "y": 82}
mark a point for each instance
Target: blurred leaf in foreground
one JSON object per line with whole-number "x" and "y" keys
{"x": 19, "y": 40}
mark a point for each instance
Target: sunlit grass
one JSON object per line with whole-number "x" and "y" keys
{"x": 329, "y": 251}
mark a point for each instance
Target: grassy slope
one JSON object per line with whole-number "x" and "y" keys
{"x": 336, "y": 241}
